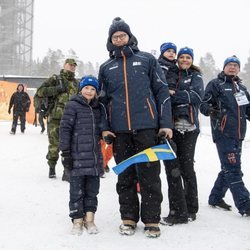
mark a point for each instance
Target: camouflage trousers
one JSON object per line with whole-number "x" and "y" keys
{"x": 53, "y": 136}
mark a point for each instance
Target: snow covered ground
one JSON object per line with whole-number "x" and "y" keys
{"x": 34, "y": 208}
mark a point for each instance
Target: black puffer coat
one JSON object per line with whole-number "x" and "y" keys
{"x": 80, "y": 134}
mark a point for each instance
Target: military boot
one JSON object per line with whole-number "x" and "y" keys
{"x": 52, "y": 169}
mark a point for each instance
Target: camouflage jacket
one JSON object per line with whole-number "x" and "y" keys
{"x": 57, "y": 99}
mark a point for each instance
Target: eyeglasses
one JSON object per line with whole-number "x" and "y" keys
{"x": 121, "y": 37}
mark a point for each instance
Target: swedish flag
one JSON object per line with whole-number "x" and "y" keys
{"x": 156, "y": 153}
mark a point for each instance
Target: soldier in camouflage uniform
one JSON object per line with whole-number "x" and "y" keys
{"x": 58, "y": 89}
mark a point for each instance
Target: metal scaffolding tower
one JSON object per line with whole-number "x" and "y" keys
{"x": 16, "y": 30}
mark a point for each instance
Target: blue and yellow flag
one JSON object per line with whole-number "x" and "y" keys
{"x": 156, "y": 153}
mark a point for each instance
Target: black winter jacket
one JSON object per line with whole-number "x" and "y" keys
{"x": 170, "y": 70}
{"x": 134, "y": 90}
{"x": 219, "y": 94}
{"x": 80, "y": 134}
{"x": 188, "y": 96}
{"x": 20, "y": 101}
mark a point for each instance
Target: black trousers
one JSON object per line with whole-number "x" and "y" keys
{"x": 83, "y": 195}
{"x": 22, "y": 116}
{"x": 185, "y": 164}
{"x": 147, "y": 174}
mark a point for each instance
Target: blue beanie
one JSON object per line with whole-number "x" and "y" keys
{"x": 186, "y": 50}
{"x": 165, "y": 46}
{"x": 89, "y": 80}
{"x": 233, "y": 59}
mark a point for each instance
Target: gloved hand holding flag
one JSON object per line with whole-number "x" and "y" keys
{"x": 156, "y": 153}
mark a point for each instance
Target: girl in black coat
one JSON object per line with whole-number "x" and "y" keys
{"x": 81, "y": 154}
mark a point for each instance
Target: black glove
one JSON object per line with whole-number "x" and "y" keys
{"x": 215, "y": 113}
{"x": 60, "y": 89}
{"x": 109, "y": 139}
{"x": 162, "y": 140}
{"x": 67, "y": 160}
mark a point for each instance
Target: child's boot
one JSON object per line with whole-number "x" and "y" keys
{"x": 89, "y": 223}
{"x": 77, "y": 226}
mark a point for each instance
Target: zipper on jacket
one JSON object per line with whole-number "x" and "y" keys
{"x": 150, "y": 109}
{"x": 126, "y": 90}
{"x": 93, "y": 122}
{"x": 236, "y": 87}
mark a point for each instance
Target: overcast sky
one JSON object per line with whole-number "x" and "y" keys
{"x": 217, "y": 26}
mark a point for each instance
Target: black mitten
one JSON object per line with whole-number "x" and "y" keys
{"x": 109, "y": 139}
{"x": 215, "y": 113}
{"x": 67, "y": 160}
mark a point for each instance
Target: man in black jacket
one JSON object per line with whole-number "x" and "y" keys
{"x": 136, "y": 97}
{"x": 21, "y": 102}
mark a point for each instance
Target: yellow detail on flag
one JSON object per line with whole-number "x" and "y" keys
{"x": 151, "y": 154}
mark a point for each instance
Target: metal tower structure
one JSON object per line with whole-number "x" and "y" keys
{"x": 16, "y": 30}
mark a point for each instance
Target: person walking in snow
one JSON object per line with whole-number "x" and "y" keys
{"x": 20, "y": 101}
{"x": 136, "y": 98}
{"x": 81, "y": 153}
{"x": 177, "y": 203}
{"x": 185, "y": 100}
{"x": 226, "y": 101}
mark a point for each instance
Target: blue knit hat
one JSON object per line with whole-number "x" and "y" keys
{"x": 165, "y": 46}
{"x": 233, "y": 59}
{"x": 89, "y": 80}
{"x": 186, "y": 50}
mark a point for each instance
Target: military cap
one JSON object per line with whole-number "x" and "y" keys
{"x": 71, "y": 61}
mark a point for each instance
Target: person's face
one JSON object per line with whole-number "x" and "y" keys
{"x": 70, "y": 67}
{"x": 185, "y": 61}
{"x": 232, "y": 69}
{"x": 120, "y": 38}
{"x": 20, "y": 88}
{"x": 89, "y": 92}
{"x": 169, "y": 54}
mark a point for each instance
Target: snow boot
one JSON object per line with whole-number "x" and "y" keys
{"x": 77, "y": 226}
{"x": 191, "y": 216}
{"x": 43, "y": 129}
{"x": 127, "y": 227}
{"x": 152, "y": 230}
{"x": 223, "y": 205}
{"x": 89, "y": 223}
{"x": 173, "y": 220}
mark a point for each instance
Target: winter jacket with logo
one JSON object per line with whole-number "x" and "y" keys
{"x": 188, "y": 96}
{"x": 80, "y": 135}
{"x": 134, "y": 91}
{"x": 219, "y": 94}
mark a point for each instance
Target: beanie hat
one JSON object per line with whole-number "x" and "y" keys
{"x": 230, "y": 59}
{"x": 119, "y": 25}
{"x": 89, "y": 80}
{"x": 186, "y": 50}
{"x": 165, "y": 46}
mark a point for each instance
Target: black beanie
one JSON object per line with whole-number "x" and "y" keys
{"x": 119, "y": 25}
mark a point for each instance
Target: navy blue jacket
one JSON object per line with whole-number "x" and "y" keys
{"x": 134, "y": 91}
{"x": 80, "y": 134}
{"x": 188, "y": 96}
{"x": 219, "y": 94}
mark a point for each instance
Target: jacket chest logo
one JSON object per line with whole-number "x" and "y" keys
{"x": 136, "y": 63}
